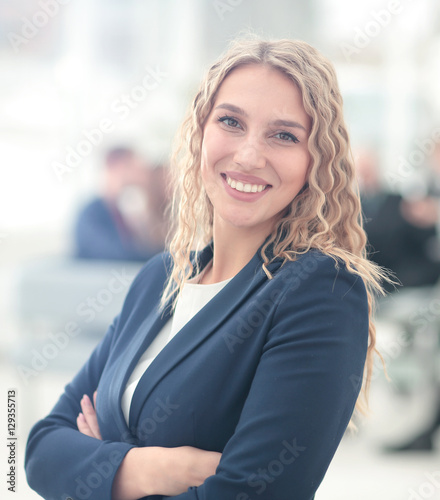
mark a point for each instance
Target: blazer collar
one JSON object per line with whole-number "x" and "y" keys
{"x": 196, "y": 331}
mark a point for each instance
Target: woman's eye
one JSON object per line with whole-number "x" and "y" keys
{"x": 285, "y": 136}
{"x": 229, "y": 121}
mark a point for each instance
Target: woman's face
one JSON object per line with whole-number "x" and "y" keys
{"x": 254, "y": 151}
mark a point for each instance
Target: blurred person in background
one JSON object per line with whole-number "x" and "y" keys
{"x": 402, "y": 236}
{"x": 126, "y": 221}
{"x": 233, "y": 371}
{"x": 400, "y": 231}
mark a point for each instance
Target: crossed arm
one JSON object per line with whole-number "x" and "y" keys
{"x": 152, "y": 470}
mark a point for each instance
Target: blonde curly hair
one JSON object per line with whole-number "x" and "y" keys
{"x": 325, "y": 215}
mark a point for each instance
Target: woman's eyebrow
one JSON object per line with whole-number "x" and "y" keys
{"x": 233, "y": 108}
{"x": 288, "y": 123}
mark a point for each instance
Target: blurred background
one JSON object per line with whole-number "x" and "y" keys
{"x": 91, "y": 95}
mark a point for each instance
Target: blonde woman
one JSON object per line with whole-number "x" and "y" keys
{"x": 235, "y": 365}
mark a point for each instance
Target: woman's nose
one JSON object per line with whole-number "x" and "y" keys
{"x": 250, "y": 155}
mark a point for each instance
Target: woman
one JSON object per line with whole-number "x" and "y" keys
{"x": 268, "y": 326}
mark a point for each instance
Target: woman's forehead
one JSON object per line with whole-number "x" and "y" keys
{"x": 264, "y": 90}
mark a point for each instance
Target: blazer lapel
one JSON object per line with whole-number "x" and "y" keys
{"x": 198, "y": 329}
{"x": 146, "y": 333}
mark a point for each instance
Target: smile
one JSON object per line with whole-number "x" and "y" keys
{"x": 245, "y": 188}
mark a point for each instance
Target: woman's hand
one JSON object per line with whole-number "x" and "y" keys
{"x": 87, "y": 421}
{"x": 186, "y": 466}
{"x": 152, "y": 470}
{"x": 155, "y": 470}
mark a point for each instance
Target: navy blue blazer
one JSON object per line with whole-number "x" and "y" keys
{"x": 268, "y": 373}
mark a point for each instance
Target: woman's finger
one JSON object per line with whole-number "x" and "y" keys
{"x": 90, "y": 416}
{"x": 83, "y": 426}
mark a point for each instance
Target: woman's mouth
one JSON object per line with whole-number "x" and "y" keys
{"x": 245, "y": 187}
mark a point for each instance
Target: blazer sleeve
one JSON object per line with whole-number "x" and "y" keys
{"x": 58, "y": 457}
{"x": 303, "y": 393}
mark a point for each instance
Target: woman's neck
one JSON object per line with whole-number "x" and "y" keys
{"x": 233, "y": 249}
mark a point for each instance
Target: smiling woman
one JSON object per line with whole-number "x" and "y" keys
{"x": 252, "y": 164}
{"x": 237, "y": 360}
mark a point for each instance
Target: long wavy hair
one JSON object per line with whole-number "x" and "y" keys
{"x": 325, "y": 215}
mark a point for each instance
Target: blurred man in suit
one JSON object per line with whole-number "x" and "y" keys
{"x": 126, "y": 221}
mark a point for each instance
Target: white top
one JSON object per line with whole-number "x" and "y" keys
{"x": 191, "y": 300}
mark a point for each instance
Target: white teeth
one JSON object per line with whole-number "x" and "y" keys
{"x": 245, "y": 188}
